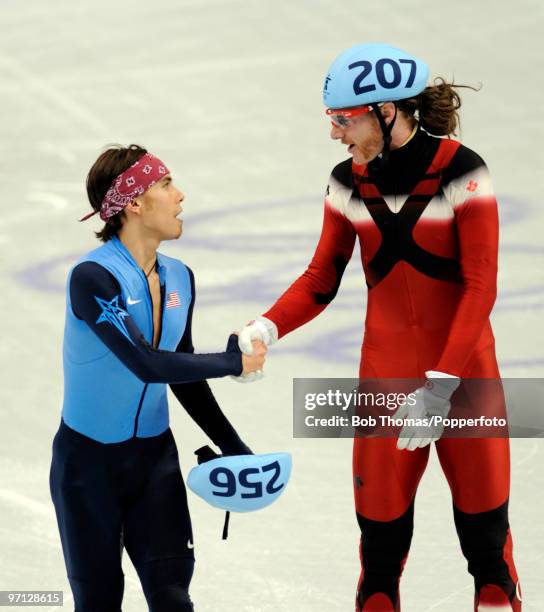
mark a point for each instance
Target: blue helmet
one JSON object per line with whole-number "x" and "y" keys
{"x": 240, "y": 483}
{"x": 373, "y": 73}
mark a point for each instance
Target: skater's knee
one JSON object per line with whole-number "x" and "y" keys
{"x": 487, "y": 545}
{"x": 166, "y": 584}
{"x": 170, "y": 598}
{"x": 386, "y": 537}
{"x": 90, "y": 596}
{"x": 482, "y": 532}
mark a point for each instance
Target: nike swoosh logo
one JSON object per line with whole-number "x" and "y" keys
{"x": 190, "y": 544}
{"x": 131, "y": 302}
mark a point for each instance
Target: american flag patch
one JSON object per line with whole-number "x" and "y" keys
{"x": 172, "y": 300}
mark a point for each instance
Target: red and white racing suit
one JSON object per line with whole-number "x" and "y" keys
{"x": 427, "y": 225}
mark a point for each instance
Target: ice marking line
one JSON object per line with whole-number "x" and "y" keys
{"x": 514, "y": 211}
{"x": 340, "y": 343}
{"x": 343, "y": 345}
{"x": 21, "y": 74}
{"x": 251, "y": 289}
{"x": 27, "y": 503}
{"x": 36, "y": 276}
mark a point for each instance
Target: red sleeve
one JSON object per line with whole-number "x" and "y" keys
{"x": 316, "y": 288}
{"x": 476, "y": 217}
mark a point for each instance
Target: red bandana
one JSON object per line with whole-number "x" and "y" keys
{"x": 130, "y": 184}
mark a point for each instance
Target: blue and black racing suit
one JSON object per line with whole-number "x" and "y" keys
{"x": 115, "y": 477}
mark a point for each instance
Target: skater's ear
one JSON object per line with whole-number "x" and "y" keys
{"x": 134, "y": 207}
{"x": 388, "y": 112}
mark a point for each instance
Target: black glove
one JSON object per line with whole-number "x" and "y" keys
{"x": 205, "y": 453}
{"x": 235, "y": 446}
{"x": 232, "y": 447}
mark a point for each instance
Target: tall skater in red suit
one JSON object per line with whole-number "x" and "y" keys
{"x": 425, "y": 214}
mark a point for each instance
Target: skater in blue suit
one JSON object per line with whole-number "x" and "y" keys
{"x": 115, "y": 477}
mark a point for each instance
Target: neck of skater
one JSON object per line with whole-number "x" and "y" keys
{"x": 141, "y": 246}
{"x": 403, "y": 131}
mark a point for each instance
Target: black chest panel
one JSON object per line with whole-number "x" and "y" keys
{"x": 415, "y": 173}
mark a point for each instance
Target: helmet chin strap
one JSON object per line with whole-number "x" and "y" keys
{"x": 386, "y": 131}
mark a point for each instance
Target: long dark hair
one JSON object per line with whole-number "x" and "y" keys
{"x": 113, "y": 162}
{"x": 436, "y": 107}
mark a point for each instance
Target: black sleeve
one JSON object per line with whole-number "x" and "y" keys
{"x": 199, "y": 402}
{"x": 96, "y": 299}
{"x": 464, "y": 161}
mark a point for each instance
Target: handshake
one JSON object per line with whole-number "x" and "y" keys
{"x": 253, "y": 341}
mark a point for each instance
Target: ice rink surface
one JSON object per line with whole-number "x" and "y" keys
{"x": 228, "y": 93}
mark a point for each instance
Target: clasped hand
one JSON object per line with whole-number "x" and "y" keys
{"x": 254, "y": 363}
{"x": 253, "y": 338}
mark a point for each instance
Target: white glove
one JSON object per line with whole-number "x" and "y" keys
{"x": 262, "y": 329}
{"x": 433, "y": 399}
{"x": 247, "y": 378}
